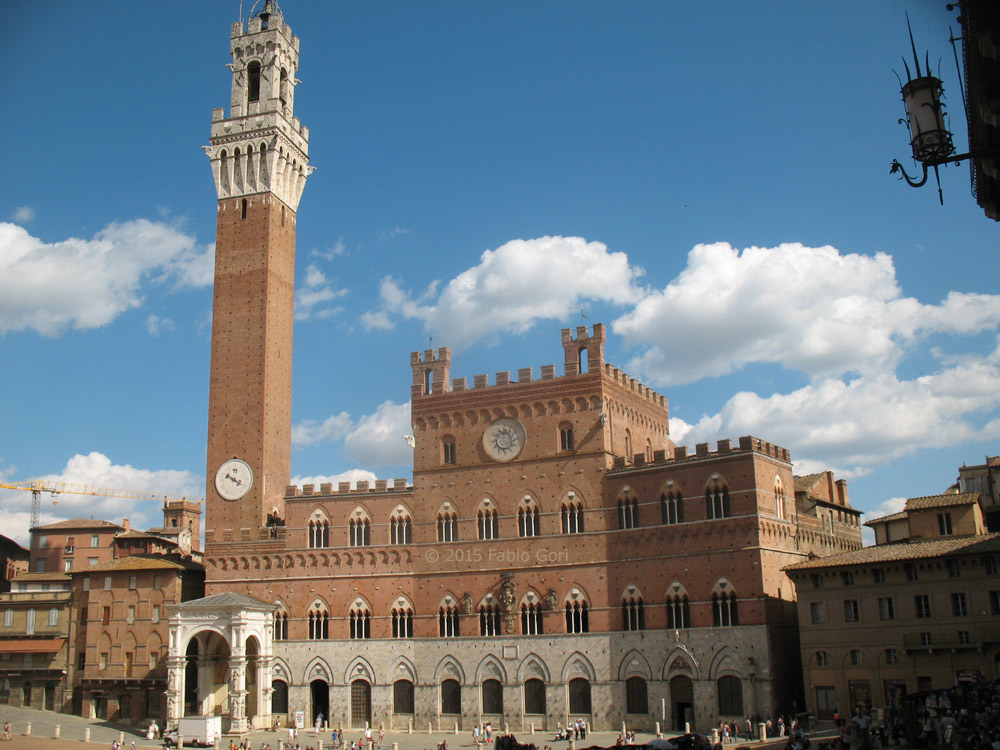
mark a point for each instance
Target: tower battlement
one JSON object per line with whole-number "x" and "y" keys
{"x": 583, "y": 343}
{"x": 362, "y": 487}
{"x": 431, "y": 369}
{"x": 261, "y": 146}
{"x": 724, "y": 447}
{"x": 275, "y": 22}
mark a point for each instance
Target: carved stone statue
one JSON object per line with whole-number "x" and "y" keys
{"x": 550, "y": 600}
{"x": 467, "y": 605}
{"x": 508, "y": 598}
{"x": 508, "y": 593}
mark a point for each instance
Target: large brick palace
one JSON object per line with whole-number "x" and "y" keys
{"x": 555, "y": 557}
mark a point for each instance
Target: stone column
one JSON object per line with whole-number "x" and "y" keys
{"x": 238, "y": 694}
{"x": 264, "y": 689}
{"x": 175, "y": 688}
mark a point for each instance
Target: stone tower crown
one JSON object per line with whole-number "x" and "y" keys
{"x": 430, "y": 371}
{"x": 592, "y": 344}
{"x": 261, "y": 147}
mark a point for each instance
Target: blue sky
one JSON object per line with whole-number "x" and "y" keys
{"x": 710, "y": 180}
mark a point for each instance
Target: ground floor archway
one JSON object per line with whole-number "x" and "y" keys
{"x": 320, "y": 704}
{"x": 682, "y": 702}
{"x": 361, "y": 703}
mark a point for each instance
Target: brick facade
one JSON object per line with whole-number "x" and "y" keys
{"x": 652, "y": 532}
{"x": 556, "y": 556}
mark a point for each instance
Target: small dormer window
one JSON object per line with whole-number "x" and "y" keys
{"x": 253, "y": 82}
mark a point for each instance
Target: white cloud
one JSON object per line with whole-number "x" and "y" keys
{"x": 23, "y": 214}
{"x": 512, "y": 288}
{"x": 378, "y": 438}
{"x": 351, "y": 475}
{"x": 331, "y": 429}
{"x": 679, "y": 430}
{"x": 311, "y": 300}
{"x": 814, "y": 310}
{"x": 97, "y": 470}
{"x": 337, "y": 248}
{"x": 78, "y": 283}
{"x": 868, "y": 421}
{"x": 378, "y": 320}
{"x": 392, "y": 233}
{"x": 155, "y": 325}
{"x": 375, "y": 439}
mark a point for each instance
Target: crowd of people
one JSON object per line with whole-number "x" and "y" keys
{"x": 965, "y": 717}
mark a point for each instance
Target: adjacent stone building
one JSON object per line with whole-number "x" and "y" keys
{"x": 119, "y": 634}
{"x": 93, "y": 639}
{"x": 983, "y": 478}
{"x": 77, "y": 543}
{"x": 918, "y": 611}
{"x": 34, "y": 651}
{"x": 13, "y": 561}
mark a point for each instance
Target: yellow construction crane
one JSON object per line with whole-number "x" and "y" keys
{"x": 37, "y": 487}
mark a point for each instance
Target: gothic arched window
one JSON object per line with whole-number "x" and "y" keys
{"x": 253, "y": 82}
{"x": 448, "y": 622}
{"x": 489, "y": 619}
{"x": 447, "y": 527}
{"x": 361, "y": 622}
{"x": 576, "y": 617}
{"x": 633, "y": 613}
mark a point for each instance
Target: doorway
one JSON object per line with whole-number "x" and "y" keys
{"x": 682, "y": 702}
{"x": 361, "y": 703}
{"x": 320, "y": 692}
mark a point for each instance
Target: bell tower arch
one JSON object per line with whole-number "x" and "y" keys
{"x": 260, "y": 162}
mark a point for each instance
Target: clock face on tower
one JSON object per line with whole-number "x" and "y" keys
{"x": 504, "y": 439}
{"x": 234, "y": 479}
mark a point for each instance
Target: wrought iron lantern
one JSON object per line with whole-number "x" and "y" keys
{"x": 930, "y": 139}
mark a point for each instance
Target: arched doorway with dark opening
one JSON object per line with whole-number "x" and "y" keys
{"x": 579, "y": 697}
{"x": 319, "y": 691}
{"x": 279, "y": 697}
{"x": 191, "y": 706}
{"x": 682, "y": 702}
{"x": 361, "y": 703}
{"x": 207, "y": 676}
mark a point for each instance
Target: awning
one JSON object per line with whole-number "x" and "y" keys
{"x": 31, "y": 645}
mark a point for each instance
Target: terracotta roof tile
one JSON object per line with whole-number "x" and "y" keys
{"x": 227, "y": 599}
{"x": 913, "y": 550}
{"x": 940, "y": 501}
{"x": 884, "y": 519}
{"x": 143, "y": 535}
{"x": 41, "y": 577}
{"x": 139, "y": 562}
{"x": 79, "y": 523}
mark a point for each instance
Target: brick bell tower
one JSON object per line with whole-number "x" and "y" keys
{"x": 259, "y": 158}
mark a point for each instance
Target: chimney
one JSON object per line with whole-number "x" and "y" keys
{"x": 126, "y": 524}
